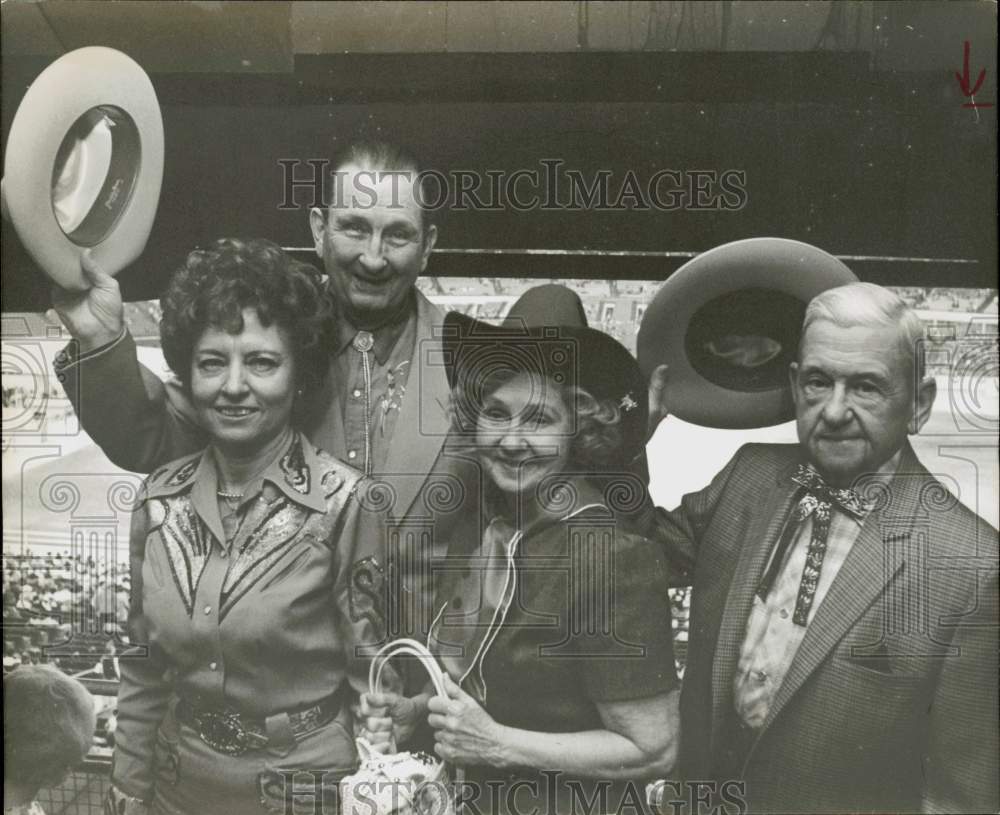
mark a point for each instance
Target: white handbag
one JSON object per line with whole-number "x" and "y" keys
{"x": 398, "y": 783}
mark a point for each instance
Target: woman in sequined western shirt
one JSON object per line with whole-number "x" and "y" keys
{"x": 240, "y": 556}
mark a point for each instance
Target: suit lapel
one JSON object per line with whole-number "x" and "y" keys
{"x": 757, "y": 545}
{"x": 422, "y": 425}
{"x": 864, "y": 576}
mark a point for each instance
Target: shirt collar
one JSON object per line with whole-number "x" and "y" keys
{"x": 883, "y": 475}
{"x": 385, "y": 336}
{"x": 296, "y": 473}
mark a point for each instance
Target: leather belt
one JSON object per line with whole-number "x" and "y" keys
{"x": 232, "y": 733}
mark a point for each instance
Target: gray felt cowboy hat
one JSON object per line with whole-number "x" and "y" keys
{"x": 728, "y": 322}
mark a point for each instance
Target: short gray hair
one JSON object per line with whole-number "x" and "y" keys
{"x": 870, "y": 305}
{"x": 48, "y": 725}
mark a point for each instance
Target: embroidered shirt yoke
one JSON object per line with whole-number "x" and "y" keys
{"x": 251, "y": 611}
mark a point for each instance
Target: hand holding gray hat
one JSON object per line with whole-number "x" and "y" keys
{"x": 84, "y": 164}
{"x": 727, "y": 326}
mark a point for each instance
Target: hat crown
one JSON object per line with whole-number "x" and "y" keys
{"x": 728, "y": 324}
{"x": 548, "y": 305}
{"x": 546, "y": 332}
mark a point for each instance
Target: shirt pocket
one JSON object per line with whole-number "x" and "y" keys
{"x": 880, "y": 677}
{"x": 874, "y": 650}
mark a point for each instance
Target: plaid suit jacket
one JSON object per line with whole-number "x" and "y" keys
{"x": 890, "y": 704}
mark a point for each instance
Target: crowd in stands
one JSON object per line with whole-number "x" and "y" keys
{"x": 982, "y": 301}
{"x": 143, "y": 318}
{"x": 617, "y": 306}
{"x": 66, "y": 612}
{"x": 63, "y": 610}
{"x": 16, "y": 396}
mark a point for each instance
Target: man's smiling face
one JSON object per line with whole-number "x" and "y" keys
{"x": 372, "y": 241}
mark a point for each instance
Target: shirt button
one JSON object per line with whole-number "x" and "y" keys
{"x": 783, "y": 614}
{"x": 223, "y": 554}
{"x": 208, "y": 609}
{"x": 213, "y": 665}
{"x": 357, "y": 394}
{"x": 352, "y": 454}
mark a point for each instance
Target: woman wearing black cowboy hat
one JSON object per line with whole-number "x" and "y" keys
{"x": 554, "y": 628}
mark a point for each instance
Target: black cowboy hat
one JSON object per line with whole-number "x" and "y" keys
{"x": 728, "y": 323}
{"x": 546, "y": 332}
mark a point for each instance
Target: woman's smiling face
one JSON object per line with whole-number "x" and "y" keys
{"x": 243, "y": 385}
{"x": 524, "y": 432}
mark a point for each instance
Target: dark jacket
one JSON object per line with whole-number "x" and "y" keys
{"x": 890, "y": 704}
{"x": 546, "y": 622}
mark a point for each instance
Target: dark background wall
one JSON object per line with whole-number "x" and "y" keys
{"x": 851, "y": 136}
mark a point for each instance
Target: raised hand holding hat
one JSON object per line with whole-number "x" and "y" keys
{"x": 84, "y": 164}
{"x": 96, "y": 316}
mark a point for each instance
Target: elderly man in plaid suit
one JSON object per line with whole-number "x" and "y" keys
{"x": 843, "y": 641}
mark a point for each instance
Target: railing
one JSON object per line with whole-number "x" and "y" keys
{"x": 83, "y": 791}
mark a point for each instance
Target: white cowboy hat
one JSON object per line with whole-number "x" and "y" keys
{"x": 84, "y": 164}
{"x": 727, "y": 323}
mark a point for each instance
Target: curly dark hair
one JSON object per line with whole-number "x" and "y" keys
{"x": 216, "y": 284}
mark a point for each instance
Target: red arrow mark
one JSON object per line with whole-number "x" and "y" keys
{"x": 964, "y": 82}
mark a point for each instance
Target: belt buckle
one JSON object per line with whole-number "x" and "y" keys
{"x": 223, "y": 732}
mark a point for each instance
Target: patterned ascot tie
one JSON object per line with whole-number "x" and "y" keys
{"x": 363, "y": 343}
{"x": 818, "y": 500}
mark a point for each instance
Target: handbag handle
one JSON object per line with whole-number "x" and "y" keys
{"x": 427, "y": 659}
{"x": 412, "y": 648}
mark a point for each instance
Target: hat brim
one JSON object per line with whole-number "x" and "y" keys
{"x": 570, "y": 355}
{"x": 728, "y": 323}
{"x": 79, "y": 82}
